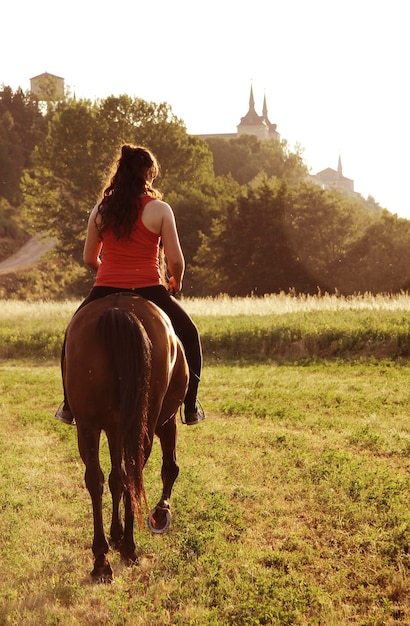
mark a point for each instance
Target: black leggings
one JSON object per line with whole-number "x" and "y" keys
{"x": 184, "y": 327}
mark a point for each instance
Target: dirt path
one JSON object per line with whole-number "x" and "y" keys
{"x": 28, "y": 255}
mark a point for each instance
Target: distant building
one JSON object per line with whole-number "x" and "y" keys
{"x": 261, "y": 127}
{"x": 251, "y": 124}
{"x": 334, "y": 179}
{"x": 47, "y": 87}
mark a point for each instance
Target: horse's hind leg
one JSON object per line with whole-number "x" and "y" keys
{"x": 169, "y": 474}
{"x": 88, "y": 444}
{"x": 122, "y": 536}
{"x": 127, "y": 547}
{"x": 166, "y": 430}
{"x": 116, "y": 482}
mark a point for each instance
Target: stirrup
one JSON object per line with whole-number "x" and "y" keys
{"x": 64, "y": 415}
{"x": 193, "y": 417}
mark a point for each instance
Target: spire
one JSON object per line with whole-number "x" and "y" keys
{"x": 339, "y": 167}
{"x": 251, "y": 101}
{"x": 265, "y": 108}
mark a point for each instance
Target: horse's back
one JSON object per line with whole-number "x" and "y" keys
{"x": 148, "y": 313}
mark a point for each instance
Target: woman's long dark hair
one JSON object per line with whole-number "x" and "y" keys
{"x": 119, "y": 207}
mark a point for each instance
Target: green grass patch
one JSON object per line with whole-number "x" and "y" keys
{"x": 292, "y": 504}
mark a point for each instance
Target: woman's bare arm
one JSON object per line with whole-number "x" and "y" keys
{"x": 93, "y": 244}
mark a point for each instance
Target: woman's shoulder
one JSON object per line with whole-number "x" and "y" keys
{"x": 158, "y": 205}
{"x": 94, "y": 216}
{"x": 155, "y": 214}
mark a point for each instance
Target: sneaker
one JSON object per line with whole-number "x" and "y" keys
{"x": 194, "y": 417}
{"x": 63, "y": 414}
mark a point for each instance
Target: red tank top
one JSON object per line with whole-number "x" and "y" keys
{"x": 130, "y": 262}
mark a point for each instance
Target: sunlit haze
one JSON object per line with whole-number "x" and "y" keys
{"x": 334, "y": 74}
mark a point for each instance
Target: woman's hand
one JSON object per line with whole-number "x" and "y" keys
{"x": 173, "y": 286}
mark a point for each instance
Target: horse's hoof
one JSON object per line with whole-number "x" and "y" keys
{"x": 159, "y": 520}
{"x": 129, "y": 558}
{"x": 105, "y": 578}
{"x": 102, "y": 573}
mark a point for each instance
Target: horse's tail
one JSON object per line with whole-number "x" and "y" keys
{"x": 129, "y": 350}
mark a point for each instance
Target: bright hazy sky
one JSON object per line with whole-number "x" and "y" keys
{"x": 335, "y": 73}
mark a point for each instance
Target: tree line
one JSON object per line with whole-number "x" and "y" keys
{"x": 249, "y": 220}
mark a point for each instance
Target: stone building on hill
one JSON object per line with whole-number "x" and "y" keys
{"x": 47, "y": 87}
{"x": 334, "y": 179}
{"x": 259, "y": 125}
{"x": 251, "y": 124}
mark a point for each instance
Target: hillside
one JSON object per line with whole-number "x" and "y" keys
{"x": 29, "y": 254}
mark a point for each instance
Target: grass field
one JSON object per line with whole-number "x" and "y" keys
{"x": 292, "y": 504}
{"x": 276, "y": 327}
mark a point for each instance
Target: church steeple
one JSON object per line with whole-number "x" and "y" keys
{"x": 265, "y": 109}
{"x": 339, "y": 166}
{"x": 251, "y": 119}
{"x": 251, "y": 101}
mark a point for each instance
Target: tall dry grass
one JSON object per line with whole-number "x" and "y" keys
{"x": 289, "y": 303}
{"x": 224, "y": 305}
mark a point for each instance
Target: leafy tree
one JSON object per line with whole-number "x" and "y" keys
{"x": 321, "y": 225}
{"x": 195, "y": 209}
{"x": 128, "y": 120}
{"x": 247, "y": 251}
{"x": 11, "y": 159}
{"x": 372, "y": 205}
{"x": 21, "y": 127}
{"x": 247, "y": 156}
{"x": 378, "y": 261}
{"x": 62, "y": 186}
{"x": 12, "y": 233}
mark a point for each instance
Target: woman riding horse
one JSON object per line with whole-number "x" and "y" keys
{"x": 125, "y": 230}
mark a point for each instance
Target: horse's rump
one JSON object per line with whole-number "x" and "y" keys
{"x": 103, "y": 338}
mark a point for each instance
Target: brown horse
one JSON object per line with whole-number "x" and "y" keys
{"x": 125, "y": 373}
